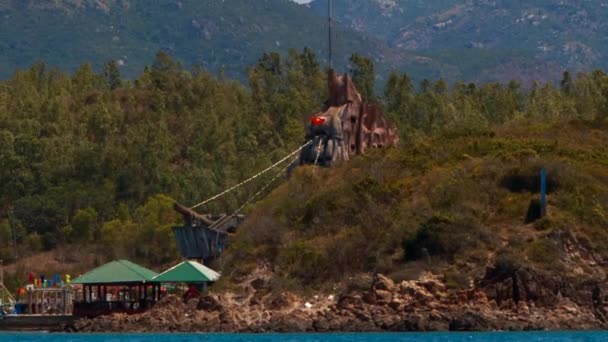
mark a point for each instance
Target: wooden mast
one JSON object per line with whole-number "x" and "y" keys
{"x": 330, "y": 22}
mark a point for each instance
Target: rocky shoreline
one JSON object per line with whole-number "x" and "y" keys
{"x": 520, "y": 300}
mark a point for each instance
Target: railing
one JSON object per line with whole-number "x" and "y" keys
{"x": 94, "y": 309}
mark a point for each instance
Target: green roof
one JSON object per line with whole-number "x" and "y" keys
{"x": 116, "y": 272}
{"x": 187, "y": 272}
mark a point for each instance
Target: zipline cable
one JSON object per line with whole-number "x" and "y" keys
{"x": 251, "y": 178}
{"x": 318, "y": 153}
{"x": 224, "y": 219}
{"x": 279, "y": 174}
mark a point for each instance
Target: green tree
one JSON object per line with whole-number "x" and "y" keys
{"x": 83, "y": 225}
{"x": 400, "y": 100}
{"x": 84, "y": 80}
{"x": 441, "y": 87}
{"x": 6, "y": 241}
{"x": 155, "y": 219}
{"x": 567, "y": 83}
{"x": 34, "y": 243}
{"x": 166, "y": 72}
{"x": 364, "y": 76}
{"x": 111, "y": 72}
{"x": 425, "y": 85}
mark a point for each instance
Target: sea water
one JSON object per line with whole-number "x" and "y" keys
{"x": 400, "y": 337}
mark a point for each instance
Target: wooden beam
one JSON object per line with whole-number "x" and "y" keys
{"x": 190, "y": 215}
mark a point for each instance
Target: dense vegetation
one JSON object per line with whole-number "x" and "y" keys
{"x": 453, "y": 204}
{"x": 85, "y": 157}
{"x": 90, "y": 158}
{"x": 454, "y": 197}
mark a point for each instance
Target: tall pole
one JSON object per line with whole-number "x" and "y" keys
{"x": 330, "y": 22}
{"x": 543, "y": 192}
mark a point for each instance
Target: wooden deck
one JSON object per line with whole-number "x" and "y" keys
{"x": 35, "y": 322}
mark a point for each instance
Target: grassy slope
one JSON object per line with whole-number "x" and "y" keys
{"x": 448, "y": 196}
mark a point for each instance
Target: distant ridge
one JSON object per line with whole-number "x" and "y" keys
{"x": 488, "y": 40}
{"x": 476, "y": 41}
{"x": 222, "y": 36}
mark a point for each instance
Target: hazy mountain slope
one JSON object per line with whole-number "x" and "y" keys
{"x": 483, "y": 37}
{"x": 473, "y": 40}
{"x": 223, "y": 35}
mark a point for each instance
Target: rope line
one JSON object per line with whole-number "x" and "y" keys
{"x": 251, "y": 178}
{"x": 226, "y": 218}
{"x": 279, "y": 174}
{"x": 318, "y": 152}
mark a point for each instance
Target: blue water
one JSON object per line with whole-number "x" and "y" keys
{"x": 405, "y": 337}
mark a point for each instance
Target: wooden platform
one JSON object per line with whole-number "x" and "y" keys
{"x": 34, "y": 322}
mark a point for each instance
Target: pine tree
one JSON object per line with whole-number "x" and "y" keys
{"x": 566, "y": 83}
{"x": 364, "y": 76}
{"x": 111, "y": 72}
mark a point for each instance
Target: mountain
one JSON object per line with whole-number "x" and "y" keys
{"x": 487, "y": 39}
{"x": 477, "y": 40}
{"x": 225, "y": 35}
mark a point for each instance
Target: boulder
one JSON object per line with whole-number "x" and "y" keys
{"x": 348, "y": 302}
{"x": 321, "y": 324}
{"x": 383, "y": 297}
{"x": 258, "y": 284}
{"x": 227, "y": 317}
{"x": 396, "y": 305}
{"x": 384, "y": 283}
{"x": 192, "y": 304}
{"x": 369, "y": 298}
{"x": 295, "y": 321}
{"x": 281, "y": 301}
{"x": 468, "y": 321}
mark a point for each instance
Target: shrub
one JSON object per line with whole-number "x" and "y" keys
{"x": 304, "y": 261}
{"x": 535, "y": 211}
{"x": 49, "y": 241}
{"x": 424, "y": 244}
{"x": 83, "y": 225}
{"x": 544, "y": 252}
{"x": 443, "y": 237}
{"x": 506, "y": 265}
{"x": 528, "y": 181}
{"x": 456, "y": 280}
{"x": 33, "y": 242}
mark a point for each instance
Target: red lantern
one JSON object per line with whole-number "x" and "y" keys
{"x": 317, "y": 121}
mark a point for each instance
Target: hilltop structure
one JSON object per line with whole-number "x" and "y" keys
{"x": 347, "y": 125}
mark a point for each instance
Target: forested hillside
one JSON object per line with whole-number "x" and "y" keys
{"x": 80, "y": 150}
{"x": 457, "y": 198}
{"x": 92, "y": 159}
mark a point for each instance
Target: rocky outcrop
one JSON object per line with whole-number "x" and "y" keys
{"x": 519, "y": 300}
